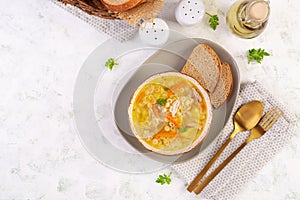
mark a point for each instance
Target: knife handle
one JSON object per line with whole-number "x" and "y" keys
{"x": 212, "y": 175}
{"x": 196, "y": 180}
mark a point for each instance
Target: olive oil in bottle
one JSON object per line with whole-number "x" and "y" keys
{"x": 248, "y": 18}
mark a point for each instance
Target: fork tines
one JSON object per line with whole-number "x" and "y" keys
{"x": 270, "y": 118}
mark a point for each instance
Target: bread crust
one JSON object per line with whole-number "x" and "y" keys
{"x": 122, "y": 7}
{"x": 229, "y": 76}
{"x": 224, "y": 87}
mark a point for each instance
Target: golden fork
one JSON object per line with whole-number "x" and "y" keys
{"x": 259, "y": 130}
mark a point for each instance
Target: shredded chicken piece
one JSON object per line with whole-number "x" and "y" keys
{"x": 197, "y": 96}
{"x": 174, "y": 107}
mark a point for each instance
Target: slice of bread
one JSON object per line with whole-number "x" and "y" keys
{"x": 121, "y": 5}
{"x": 223, "y": 88}
{"x": 203, "y": 65}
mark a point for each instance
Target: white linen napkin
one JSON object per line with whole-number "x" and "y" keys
{"x": 251, "y": 159}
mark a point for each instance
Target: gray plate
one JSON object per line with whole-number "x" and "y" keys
{"x": 172, "y": 58}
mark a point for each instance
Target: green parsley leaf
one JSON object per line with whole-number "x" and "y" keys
{"x": 257, "y": 55}
{"x": 213, "y": 21}
{"x": 182, "y": 129}
{"x": 162, "y": 179}
{"x": 110, "y": 63}
{"x": 161, "y": 101}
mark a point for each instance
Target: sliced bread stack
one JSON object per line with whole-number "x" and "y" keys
{"x": 215, "y": 76}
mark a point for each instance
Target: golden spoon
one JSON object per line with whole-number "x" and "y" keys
{"x": 245, "y": 119}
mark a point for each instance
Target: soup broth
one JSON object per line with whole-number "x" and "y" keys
{"x": 169, "y": 113}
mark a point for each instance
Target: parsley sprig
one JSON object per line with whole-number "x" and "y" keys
{"x": 110, "y": 63}
{"x": 257, "y": 55}
{"x": 182, "y": 129}
{"x": 213, "y": 21}
{"x": 161, "y": 101}
{"x": 162, "y": 179}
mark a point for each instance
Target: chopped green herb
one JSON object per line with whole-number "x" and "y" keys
{"x": 257, "y": 55}
{"x": 162, "y": 179}
{"x": 110, "y": 63}
{"x": 182, "y": 129}
{"x": 161, "y": 101}
{"x": 213, "y": 21}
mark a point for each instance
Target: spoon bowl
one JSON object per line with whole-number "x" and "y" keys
{"x": 247, "y": 116}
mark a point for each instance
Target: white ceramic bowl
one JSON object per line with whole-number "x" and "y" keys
{"x": 206, "y": 127}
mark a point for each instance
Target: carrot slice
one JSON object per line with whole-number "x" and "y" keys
{"x": 164, "y": 134}
{"x": 170, "y": 92}
{"x": 203, "y": 107}
{"x": 171, "y": 119}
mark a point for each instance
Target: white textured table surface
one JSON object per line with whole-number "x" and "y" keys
{"x": 42, "y": 48}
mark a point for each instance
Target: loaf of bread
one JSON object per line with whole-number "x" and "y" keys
{"x": 121, "y": 5}
{"x": 223, "y": 88}
{"x": 203, "y": 65}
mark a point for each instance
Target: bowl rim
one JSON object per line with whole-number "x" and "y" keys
{"x": 208, "y": 122}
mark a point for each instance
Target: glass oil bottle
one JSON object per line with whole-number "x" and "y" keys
{"x": 248, "y": 18}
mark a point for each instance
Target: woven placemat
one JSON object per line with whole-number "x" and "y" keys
{"x": 118, "y": 29}
{"x": 228, "y": 183}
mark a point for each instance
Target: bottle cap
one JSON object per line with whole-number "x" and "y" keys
{"x": 259, "y": 10}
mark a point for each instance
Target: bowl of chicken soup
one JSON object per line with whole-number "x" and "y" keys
{"x": 170, "y": 113}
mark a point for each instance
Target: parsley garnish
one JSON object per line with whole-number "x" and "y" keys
{"x": 161, "y": 101}
{"x": 182, "y": 129}
{"x": 110, "y": 63}
{"x": 257, "y": 54}
{"x": 213, "y": 21}
{"x": 162, "y": 179}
